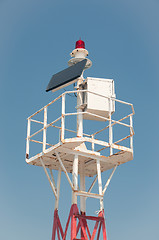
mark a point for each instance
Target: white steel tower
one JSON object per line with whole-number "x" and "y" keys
{"x": 101, "y": 140}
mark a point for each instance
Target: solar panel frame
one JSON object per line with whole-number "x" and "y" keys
{"x": 66, "y": 76}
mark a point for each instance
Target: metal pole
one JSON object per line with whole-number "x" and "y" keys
{"x": 63, "y": 118}
{"x": 75, "y": 179}
{"x": 80, "y": 134}
{"x": 100, "y": 184}
{"x": 75, "y": 162}
{"x": 79, "y": 110}
{"x": 110, "y": 128}
{"x": 131, "y": 132}
{"x": 51, "y": 184}
{"x": 28, "y": 135}
{"x": 109, "y": 179}
{"x": 92, "y": 143}
{"x": 58, "y": 188}
{"x": 92, "y": 185}
{"x": 82, "y": 187}
{"x": 64, "y": 169}
{"x": 44, "y": 130}
{"x": 52, "y": 177}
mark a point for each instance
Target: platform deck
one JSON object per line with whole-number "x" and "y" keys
{"x": 70, "y": 147}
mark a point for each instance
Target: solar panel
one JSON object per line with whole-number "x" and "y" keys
{"x": 66, "y": 77}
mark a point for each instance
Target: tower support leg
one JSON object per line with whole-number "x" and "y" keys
{"x": 79, "y": 224}
{"x": 75, "y": 179}
{"x": 82, "y": 199}
{"x": 57, "y": 227}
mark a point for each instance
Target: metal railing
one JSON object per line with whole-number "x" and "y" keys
{"x": 88, "y": 137}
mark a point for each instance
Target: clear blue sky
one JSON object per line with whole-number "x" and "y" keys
{"x": 122, "y": 38}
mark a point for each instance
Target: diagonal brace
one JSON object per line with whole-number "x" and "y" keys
{"x": 64, "y": 169}
{"x": 52, "y": 177}
{"x": 109, "y": 179}
{"x": 92, "y": 185}
{"x": 51, "y": 184}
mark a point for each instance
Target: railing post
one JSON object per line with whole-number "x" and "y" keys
{"x": 63, "y": 118}
{"x": 110, "y": 128}
{"x": 92, "y": 142}
{"x": 131, "y": 132}
{"x": 28, "y": 138}
{"x": 44, "y": 130}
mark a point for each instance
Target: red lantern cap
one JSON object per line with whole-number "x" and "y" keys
{"x": 80, "y": 44}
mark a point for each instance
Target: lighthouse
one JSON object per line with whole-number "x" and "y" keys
{"x": 79, "y": 151}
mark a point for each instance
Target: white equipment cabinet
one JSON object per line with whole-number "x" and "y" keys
{"x": 97, "y": 98}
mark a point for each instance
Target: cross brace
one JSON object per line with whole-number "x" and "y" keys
{"x": 79, "y": 226}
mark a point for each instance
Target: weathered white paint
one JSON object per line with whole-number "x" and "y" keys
{"x": 63, "y": 118}
{"x": 82, "y": 186}
{"x": 75, "y": 178}
{"x": 72, "y": 155}
{"x": 58, "y": 188}
{"x": 64, "y": 169}
{"x": 44, "y": 129}
{"x": 100, "y": 184}
{"x": 96, "y": 104}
